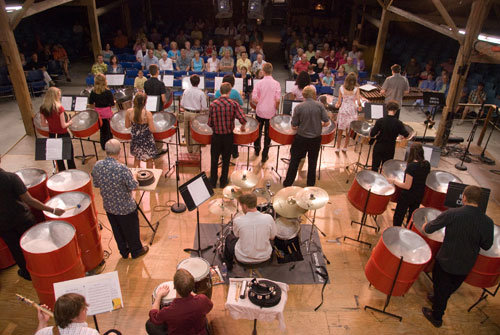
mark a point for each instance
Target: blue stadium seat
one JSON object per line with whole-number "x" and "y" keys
{"x": 131, "y": 58}
{"x": 131, "y": 73}
{"x": 129, "y": 81}
{"x": 137, "y": 65}
{"x": 210, "y": 75}
{"x": 179, "y": 74}
{"x": 326, "y": 90}
{"x": 222, "y": 74}
{"x": 199, "y": 73}
{"x": 209, "y": 84}
{"x": 126, "y": 65}
{"x": 89, "y": 80}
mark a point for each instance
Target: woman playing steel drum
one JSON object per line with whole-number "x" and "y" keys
{"x": 102, "y": 100}
{"x": 413, "y": 187}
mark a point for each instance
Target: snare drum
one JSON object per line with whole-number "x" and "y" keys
{"x": 287, "y": 240}
{"x": 166, "y": 300}
{"x": 200, "y": 270}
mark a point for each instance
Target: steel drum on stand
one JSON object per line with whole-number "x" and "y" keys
{"x": 403, "y": 142}
{"x": 434, "y": 240}
{"x": 85, "y": 123}
{"x": 52, "y": 255}
{"x": 280, "y": 129}
{"x": 165, "y": 125}
{"x": 436, "y": 186}
{"x": 360, "y": 129}
{"x": 328, "y": 133}
{"x": 394, "y": 169}
{"x": 380, "y": 190}
{"x": 42, "y": 130}
{"x": 249, "y": 135}
{"x": 6, "y": 259}
{"x": 85, "y": 222}
{"x": 201, "y": 132}
{"x": 124, "y": 98}
{"x": 486, "y": 270}
{"x": 329, "y": 101}
{"x": 71, "y": 181}
{"x": 384, "y": 261}
{"x": 35, "y": 181}
{"x": 117, "y": 124}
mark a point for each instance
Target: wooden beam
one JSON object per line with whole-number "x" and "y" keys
{"x": 94, "y": 28}
{"x": 450, "y": 7}
{"x": 103, "y": 10}
{"x": 15, "y": 68}
{"x": 381, "y": 3}
{"x": 126, "y": 19}
{"x": 369, "y": 18}
{"x": 39, "y": 7}
{"x": 447, "y": 18}
{"x": 381, "y": 38}
{"x": 20, "y": 14}
{"x": 354, "y": 22}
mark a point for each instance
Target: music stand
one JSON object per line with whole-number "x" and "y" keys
{"x": 115, "y": 79}
{"x": 53, "y": 149}
{"x": 195, "y": 192}
{"x": 454, "y": 196}
{"x": 153, "y": 103}
{"x": 432, "y": 154}
{"x": 374, "y": 111}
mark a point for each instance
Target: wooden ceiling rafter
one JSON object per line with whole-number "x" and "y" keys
{"x": 449, "y": 21}
{"x": 14, "y": 20}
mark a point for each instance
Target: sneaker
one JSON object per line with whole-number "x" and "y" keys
{"x": 428, "y": 315}
{"x": 143, "y": 251}
{"x": 24, "y": 274}
{"x": 337, "y": 150}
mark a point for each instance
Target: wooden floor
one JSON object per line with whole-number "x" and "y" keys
{"x": 343, "y": 309}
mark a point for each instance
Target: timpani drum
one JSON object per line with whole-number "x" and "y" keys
{"x": 250, "y": 134}
{"x": 201, "y": 132}
{"x": 124, "y": 98}
{"x": 84, "y": 220}
{"x": 52, "y": 256}
{"x": 35, "y": 181}
{"x": 486, "y": 270}
{"x": 328, "y": 132}
{"x": 360, "y": 130}
{"x": 6, "y": 259}
{"x": 397, "y": 242}
{"x": 166, "y": 300}
{"x": 165, "y": 125}
{"x": 200, "y": 270}
{"x": 117, "y": 124}
{"x": 280, "y": 129}
{"x": 436, "y": 186}
{"x": 37, "y": 122}
{"x": 394, "y": 169}
{"x": 85, "y": 123}
{"x": 371, "y": 191}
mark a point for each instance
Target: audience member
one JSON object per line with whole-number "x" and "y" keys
{"x": 310, "y": 52}
{"x": 140, "y": 80}
{"x": 197, "y": 63}
{"x": 302, "y": 81}
{"x": 212, "y": 63}
{"x": 114, "y": 66}
{"x": 165, "y": 63}
{"x": 99, "y": 66}
{"x": 360, "y": 62}
{"x": 120, "y": 41}
{"x": 35, "y": 64}
{"x": 141, "y": 53}
{"x": 239, "y": 49}
{"x": 173, "y": 53}
{"x": 226, "y": 47}
{"x": 210, "y": 48}
{"x": 301, "y": 65}
{"x": 449, "y": 65}
{"x": 258, "y": 64}
{"x": 107, "y": 52}
{"x": 331, "y": 60}
{"x": 60, "y": 55}
{"x": 226, "y": 62}
{"x": 183, "y": 63}
{"x": 243, "y": 61}
{"x": 189, "y": 51}
{"x": 325, "y": 51}
{"x": 412, "y": 72}
{"x": 257, "y": 51}
{"x": 477, "y": 96}
{"x": 320, "y": 66}
{"x": 350, "y": 66}
{"x": 149, "y": 60}
{"x": 313, "y": 75}
{"x": 328, "y": 79}
{"x": 197, "y": 46}
{"x": 158, "y": 51}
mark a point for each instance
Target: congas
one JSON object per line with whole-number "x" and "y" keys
{"x": 200, "y": 270}
{"x": 435, "y": 239}
{"x": 328, "y": 133}
{"x": 397, "y": 242}
{"x": 280, "y": 129}
{"x": 42, "y": 130}
{"x": 166, "y": 300}
{"x": 436, "y": 186}
{"x": 249, "y": 135}
{"x": 35, "y": 181}
{"x": 52, "y": 255}
{"x": 85, "y": 123}
{"x": 117, "y": 124}
{"x": 329, "y": 101}
{"x": 201, "y": 132}
{"x": 124, "y": 98}
{"x": 287, "y": 240}
{"x": 6, "y": 259}
{"x": 375, "y": 185}
{"x": 403, "y": 142}
{"x": 486, "y": 270}
{"x": 394, "y": 169}
{"x": 360, "y": 130}
{"x": 263, "y": 200}
{"x": 165, "y": 125}
{"x": 84, "y": 220}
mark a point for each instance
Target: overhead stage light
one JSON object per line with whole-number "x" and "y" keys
{"x": 224, "y": 9}
{"x": 255, "y": 10}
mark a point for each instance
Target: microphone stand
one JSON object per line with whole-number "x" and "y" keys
{"x": 460, "y": 166}
{"x": 178, "y": 207}
{"x": 482, "y": 157}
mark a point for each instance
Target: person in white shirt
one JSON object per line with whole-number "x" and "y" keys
{"x": 193, "y": 102}
{"x": 257, "y": 65}
{"x": 139, "y": 56}
{"x": 250, "y": 242}
{"x": 212, "y": 64}
{"x": 165, "y": 63}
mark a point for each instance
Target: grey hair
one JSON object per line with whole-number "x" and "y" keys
{"x": 112, "y": 147}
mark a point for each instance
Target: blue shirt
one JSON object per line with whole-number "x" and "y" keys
{"x": 234, "y": 95}
{"x": 116, "y": 183}
{"x": 146, "y": 61}
{"x": 428, "y": 85}
{"x": 172, "y": 54}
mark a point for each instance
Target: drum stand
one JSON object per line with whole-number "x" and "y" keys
{"x": 220, "y": 244}
{"x": 155, "y": 228}
{"x": 198, "y": 250}
{"x": 363, "y": 223}
{"x": 83, "y": 156}
{"x": 483, "y": 296}
{"x": 358, "y": 164}
{"x": 389, "y": 295}
{"x": 310, "y": 241}
{"x": 275, "y": 169}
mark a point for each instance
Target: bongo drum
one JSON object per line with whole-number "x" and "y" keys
{"x": 166, "y": 300}
{"x": 201, "y": 132}
{"x": 85, "y": 123}
{"x": 200, "y": 270}
{"x": 436, "y": 186}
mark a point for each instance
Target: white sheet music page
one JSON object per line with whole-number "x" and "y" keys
{"x": 152, "y": 103}
{"x": 427, "y": 153}
{"x": 66, "y": 102}
{"x": 238, "y": 84}
{"x": 294, "y": 104}
{"x": 81, "y": 104}
{"x": 217, "y": 82}
{"x": 198, "y": 191}
{"x": 53, "y": 149}
{"x": 368, "y": 87}
{"x": 377, "y": 111}
{"x": 115, "y": 79}
{"x": 289, "y": 86}
{"x": 168, "y": 80}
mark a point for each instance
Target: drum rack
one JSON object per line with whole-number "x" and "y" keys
{"x": 83, "y": 156}
{"x": 483, "y": 296}
{"x": 362, "y": 223}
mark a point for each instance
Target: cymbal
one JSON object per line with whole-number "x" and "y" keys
{"x": 312, "y": 198}
{"x": 244, "y": 178}
{"x": 231, "y": 192}
{"x": 284, "y": 202}
{"x": 221, "y": 208}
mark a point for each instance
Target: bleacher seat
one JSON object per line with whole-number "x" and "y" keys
{"x": 129, "y": 81}
{"x": 179, "y": 74}
{"x": 137, "y": 65}
{"x": 166, "y": 72}
{"x": 222, "y": 74}
{"x": 209, "y": 84}
{"x": 145, "y": 72}
{"x": 237, "y": 75}
{"x": 210, "y": 75}
{"x": 131, "y": 73}
{"x": 126, "y": 65}
{"x": 131, "y": 58}
{"x": 199, "y": 73}
{"x": 35, "y": 81}
{"x": 325, "y": 90}
{"x": 89, "y": 80}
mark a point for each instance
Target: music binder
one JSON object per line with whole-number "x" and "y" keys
{"x": 196, "y": 191}
{"x": 454, "y": 196}
{"x": 41, "y": 148}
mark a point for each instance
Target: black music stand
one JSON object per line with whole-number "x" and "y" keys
{"x": 362, "y": 224}
{"x": 484, "y": 295}
{"x": 432, "y": 154}
{"x": 454, "y": 196}
{"x": 195, "y": 192}
{"x": 374, "y": 111}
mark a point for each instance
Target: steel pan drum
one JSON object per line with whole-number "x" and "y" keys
{"x": 328, "y": 133}
{"x": 124, "y": 98}
{"x": 486, "y": 270}
{"x": 70, "y": 181}
{"x": 360, "y": 129}
{"x": 85, "y": 123}
{"x": 403, "y": 142}
{"x": 280, "y": 129}
{"x": 118, "y": 128}
{"x": 200, "y": 131}
{"x": 435, "y": 239}
{"x": 169, "y": 97}
{"x": 329, "y": 102}
{"x": 35, "y": 181}
{"x": 42, "y": 130}
{"x": 85, "y": 222}
{"x": 6, "y": 258}
{"x": 249, "y": 135}
{"x": 52, "y": 255}
{"x": 165, "y": 125}
{"x": 381, "y": 192}
{"x": 200, "y": 270}
{"x": 397, "y": 242}
{"x": 394, "y": 169}
{"x": 436, "y": 186}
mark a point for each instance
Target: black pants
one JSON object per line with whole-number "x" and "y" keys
{"x": 381, "y": 153}
{"x": 60, "y": 163}
{"x": 405, "y": 204}
{"x": 12, "y": 236}
{"x": 105, "y": 133}
{"x": 229, "y": 250}
{"x": 153, "y": 329}
{"x": 126, "y": 233}
{"x": 263, "y": 123}
{"x": 221, "y": 145}
{"x": 445, "y": 284}
{"x": 300, "y": 147}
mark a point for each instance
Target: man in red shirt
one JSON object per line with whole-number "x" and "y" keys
{"x": 301, "y": 65}
{"x": 186, "y": 315}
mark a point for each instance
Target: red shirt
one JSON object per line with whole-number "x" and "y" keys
{"x": 54, "y": 121}
{"x": 184, "y": 316}
{"x": 299, "y": 66}
{"x": 221, "y": 115}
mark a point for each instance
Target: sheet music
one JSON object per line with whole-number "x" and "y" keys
{"x": 67, "y": 102}
{"x": 115, "y": 79}
{"x": 198, "y": 191}
{"x": 289, "y": 86}
{"x": 294, "y": 104}
{"x": 367, "y": 87}
{"x": 427, "y": 153}
{"x": 152, "y": 103}
{"x": 218, "y": 82}
{"x": 54, "y": 149}
{"x": 238, "y": 84}
{"x": 377, "y": 111}
{"x": 102, "y": 292}
{"x": 168, "y": 80}
{"x": 81, "y": 103}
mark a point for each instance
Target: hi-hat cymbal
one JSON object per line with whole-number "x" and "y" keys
{"x": 312, "y": 198}
{"x": 244, "y": 178}
{"x": 231, "y": 192}
{"x": 284, "y": 202}
{"x": 221, "y": 208}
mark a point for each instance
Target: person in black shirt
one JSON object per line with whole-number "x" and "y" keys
{"x": 36, "y": 64}
{"x": 386, "y": 130}
{"x": 413, "y": 187}
{"x": 102, "y": 100}
{"x": 467, "y": 230}
{"x": 153, "y": 86}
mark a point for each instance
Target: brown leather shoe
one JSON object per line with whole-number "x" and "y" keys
{"x": 142, "y": 252}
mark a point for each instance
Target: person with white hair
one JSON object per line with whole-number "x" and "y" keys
{"x": 116, "y": 184}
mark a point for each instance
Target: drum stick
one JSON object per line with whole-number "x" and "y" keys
{"x": 237, "y": 295}
{"x": 243, "y": 289}
{"x": 73, "y": 207}
{"x": 34, "y": 304}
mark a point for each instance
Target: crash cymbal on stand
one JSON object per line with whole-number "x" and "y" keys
{"x": 311, "y": 198}
{"x": 244, "y": 178}
{"x": 231, "y": 192}
{"x": 284, "y": 202}
{"x": 220, "y": 207}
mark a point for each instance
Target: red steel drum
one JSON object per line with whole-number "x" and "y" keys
{"x": 394, "y": 169}
{"x": 85, "y": 123}
{"x": 249, "y": 135}
{"x": 328, "y": 133}
{"x": 486, "y": 271}
{"x": 436, "y": 186}
{"x": 169, "y": 97}
{"x": 381, "y": 192}
{"x": 165, "y": 125}
{"x": 52, "y": 255}
{"x": 118, "y": 128}
{"x": 35, "y": 181}
{"x": 42, "y": 130}
{"x": 280, "y": 129}
{"x": 435, "y": 239}
{"x": 85, "y": 222}
{"x": 383, "y": 263}
{"x": 70, "y": 181}
{"x": 201, "y": 132}
{"x": 6, "y": 258}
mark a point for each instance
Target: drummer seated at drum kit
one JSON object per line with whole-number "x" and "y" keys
{"x": 186, "y": 314}
{"x": 250, "y": 241}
